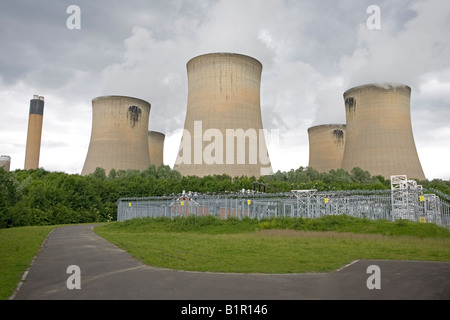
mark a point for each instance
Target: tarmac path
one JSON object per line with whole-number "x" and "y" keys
{"x": 109, "y": 273}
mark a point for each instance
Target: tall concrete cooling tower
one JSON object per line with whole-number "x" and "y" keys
{"x": 326, "y": 146}
{"x": 119, "y": 137}
{"x": 223, "y": 132}
{"x": 34, "y": 135}
{"x": 156, "y": 147}
{"x": 5, "y": 162}
{"x": 379, "y": 131}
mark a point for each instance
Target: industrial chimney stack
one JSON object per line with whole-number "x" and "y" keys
{"x": 33, "y": 147}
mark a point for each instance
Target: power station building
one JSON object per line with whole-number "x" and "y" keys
{"x": 34, "y": 135}
{"x": 5, "y": 162}
{"x": 223, "y": 131}
{"x": 156, "y": 147}
{"x": 379, "y": 136}
{"x": 326, "y": 146}
{"x": 119, "y": 136}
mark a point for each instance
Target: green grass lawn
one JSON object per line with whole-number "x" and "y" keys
{"x": 276, "y": 245}
{"x": 266, "y": 246}
{"x": 18, "y": 246}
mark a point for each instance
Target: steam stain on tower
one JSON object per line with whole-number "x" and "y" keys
{"x": 338, "y": 135}
{"x": 134, "y": 112}
{"x": 350, "y": 103}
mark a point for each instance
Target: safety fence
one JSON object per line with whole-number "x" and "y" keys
{"x": 299, "y": 203}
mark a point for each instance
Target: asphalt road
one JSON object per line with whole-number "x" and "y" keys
{"x": 109, "y": 273}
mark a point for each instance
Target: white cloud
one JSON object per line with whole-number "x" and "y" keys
{"x": 388, "y": 55}
{"x": 415, "y": 54}
{"x": 311, "y": 51}
{"x": 154, "y": 71}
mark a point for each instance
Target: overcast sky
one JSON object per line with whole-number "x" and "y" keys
{"x": 311, "y": 51}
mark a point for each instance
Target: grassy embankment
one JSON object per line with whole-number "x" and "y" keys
{"x": 18, "y": 246}
{"x": 281, "y": 245}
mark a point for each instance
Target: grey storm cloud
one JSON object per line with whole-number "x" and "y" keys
{"x": 312, "y": 51}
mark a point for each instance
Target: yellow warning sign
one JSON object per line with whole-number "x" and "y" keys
{"x": 129, "y": 204}
{"x": 249, "y": 202}
{"x": 182, "y": 203}
{"x": 422, "y": 198}
{"x": 326, "y": 200}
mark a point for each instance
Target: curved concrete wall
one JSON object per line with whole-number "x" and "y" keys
{"x": 223, "y": 101}
{"x": 119, "y": 137}
{"x": 379, "y": 131}
{"x": 326, "y": 146}
{"x": 156, "y": 147}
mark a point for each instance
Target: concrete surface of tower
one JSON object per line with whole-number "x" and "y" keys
{"x": 34, "y": 135}
{"x": 156, "y": 147}
{"x": 326, "y": 146}
{"x": 379, "y": 135}
{"x": 119, "y": 137}
{"x": 223, "y": 131}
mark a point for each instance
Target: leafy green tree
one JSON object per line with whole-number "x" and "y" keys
{"x": 112, "y": 174}
{"x": 359, "y": 175}
{"x": 9, "y": 189}
{"x": 99, "y": 173}
{"x": 150, "y": 171}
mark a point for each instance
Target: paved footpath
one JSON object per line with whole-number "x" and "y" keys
{"x": 109, "y": 273}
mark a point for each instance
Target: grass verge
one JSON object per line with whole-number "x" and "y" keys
{"x": 283, "y": 245}
{"x": 17, "y": 249}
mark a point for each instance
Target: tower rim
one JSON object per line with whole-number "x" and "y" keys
{"x": 229, "y": 54}
{"x": 119, "y": 96}
{"x": 330, "y": 125}
{"x": 380, "y": 85}
{"x": 156, "y": 133}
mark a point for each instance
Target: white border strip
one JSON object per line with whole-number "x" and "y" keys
{"x": 348, "y": 265}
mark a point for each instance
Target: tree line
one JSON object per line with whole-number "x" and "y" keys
{"x": 40, "y": 197}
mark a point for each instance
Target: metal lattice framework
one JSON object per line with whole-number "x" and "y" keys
{"x": 400, "y": 198}
{"x": 405, "y": 200}
{"x": 409, "y": 201}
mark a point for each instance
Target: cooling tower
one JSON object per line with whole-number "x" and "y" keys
{"x": 33, "y": 147}
{"x": 119, "y": 134}
{"x": 379, "y": 131}
{"x": 156, "y": 147}
{"x": 326, "y": 146}
{"x": 223, "y": 132}
{"x": 5, "y": 162}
